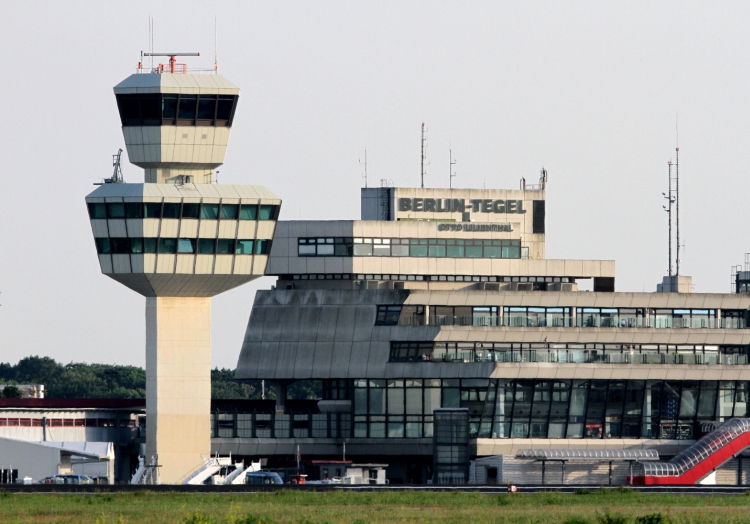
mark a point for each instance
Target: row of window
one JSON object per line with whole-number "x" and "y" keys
{"x": 552, "y": 409}
{"x": 433, "y": 278}
{"x": 165, "y": 109}
{"x": 67, "y": 422}
{"x": 410, "y": 247}
{"x": 397, "y": 315}
{"x": 503, "y": 408}
{"x": 200, "y": 246}
{"x": 182, "y": 210}
{"x": 505, "y": 352}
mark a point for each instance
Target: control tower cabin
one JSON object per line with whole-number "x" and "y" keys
{"x": 179, "y": 239}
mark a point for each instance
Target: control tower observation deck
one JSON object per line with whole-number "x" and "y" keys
{"x": 179, "y": 239}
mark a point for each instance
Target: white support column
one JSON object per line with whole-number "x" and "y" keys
{"x": 178, "y": 384}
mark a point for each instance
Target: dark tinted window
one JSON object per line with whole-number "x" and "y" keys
{"x": 210, "y": 211}
{"x": 133, "y": 210}
{"x": 102, "y": 246}
{"x": 129, "y": 113}
{"x": 152, "y": 210}
{"x": 149, "y": 245}
{"x": 224, "y": 246}
{"x": 229, "y": 211}
{"x": 224, "y": 110}
{"x": 538, "y": 217}
{"x": 206, "y": 246}
{"x": 97, "y": 211}
{"x": 249, "y": 212}
{"x": 151, "y": 109}
{"x": 167, "y": 245}
{"x": 187, "y": 107}
{"x": 206, "y": 107}
{"x": 190, "y": 210}
{"x": 115, "y": 210}
{"x": 120, "y": 245}
{"x": 154, "y": 109}
{"x": 169, "y": 108}
{"x": 171, "y": 210}
{"x": 267, "y": 212}
{"x": 261, "y": 247}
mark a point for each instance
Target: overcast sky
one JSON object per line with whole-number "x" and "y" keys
{"x": 590, "y": 90}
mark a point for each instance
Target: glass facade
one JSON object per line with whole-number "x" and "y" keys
{"x": 167, "y": 109}
{"x": 200, "y": 246}
{"x": 504, "y": 352}
{"x": 520, "y": 316}
{"x": 407, "y": 247}
{"x": 501, "y": 408}
{"x": 537, "y": 316}
{"x": 193, "y": 210}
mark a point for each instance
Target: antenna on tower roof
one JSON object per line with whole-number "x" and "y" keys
{"x": 364, "y": 164}
{"x": 451, "y": 173}
{"x": 151, "y": 39}
{"x": 424, "y": 153}
{"x": 216, "y": 53}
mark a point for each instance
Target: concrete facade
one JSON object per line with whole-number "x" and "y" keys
{"x": 178, "y": 383}
{"x": 393, "y": 333}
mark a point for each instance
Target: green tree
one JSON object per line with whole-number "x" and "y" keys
{"x": 11, "y": 392}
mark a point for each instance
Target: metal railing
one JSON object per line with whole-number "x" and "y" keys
{"x": 537, "y": 321}
{"x": 468, "y": 320}
{"x": 577, "y": 356}
{"x": 583, "y": 321}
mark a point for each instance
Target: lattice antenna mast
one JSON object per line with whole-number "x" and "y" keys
{"x": 452, "y": 163}
{"x": 668, "y": 208}
{"x": 424, "y": 153}
{"x": 677, "y": 202}
{"x": 364, "y": 165}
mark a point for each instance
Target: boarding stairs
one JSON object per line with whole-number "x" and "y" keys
{"x": 146, "y": 473}
{"x": 238, "y": 475}
{"x": 699, "y": 460}
{"x": 210, "y": 467}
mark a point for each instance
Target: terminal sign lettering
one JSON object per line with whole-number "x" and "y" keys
{"x": 459, "y": 205}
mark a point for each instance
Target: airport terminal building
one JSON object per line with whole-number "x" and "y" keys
{"x": 444, "y": 299}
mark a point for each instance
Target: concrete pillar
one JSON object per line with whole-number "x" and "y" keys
{"x": 178, "y": 384}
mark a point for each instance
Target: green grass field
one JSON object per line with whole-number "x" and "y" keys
{"x": 613, "y": 507}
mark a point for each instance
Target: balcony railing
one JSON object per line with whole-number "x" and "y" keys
{"x": 537, "y": 321}
{"x": 587, "y": 321}
{"x": 469, "y": 320}
{"x": 580, "y": 356}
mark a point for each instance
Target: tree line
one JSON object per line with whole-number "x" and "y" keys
{"x": 82, "y": 380}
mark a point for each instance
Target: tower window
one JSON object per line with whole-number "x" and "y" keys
{"x": 157, "y": 109}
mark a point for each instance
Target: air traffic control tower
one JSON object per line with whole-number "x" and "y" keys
{"x": 179, "y": 239}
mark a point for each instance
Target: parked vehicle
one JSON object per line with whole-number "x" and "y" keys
{"x": 66, "y": 479}
{"x": 263, "y": 477}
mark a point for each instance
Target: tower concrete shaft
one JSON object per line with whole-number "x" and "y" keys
{"x": 178, "y": 383}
